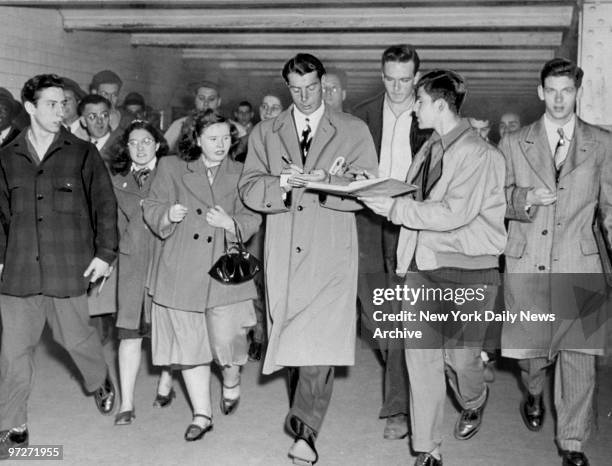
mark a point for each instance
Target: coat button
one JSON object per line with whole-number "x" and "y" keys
{"x": 39, "y": 197}
{"x": 209, "y": 239}
{"x": 40, "y": 219}
{"x": 196, "y": 236}
{"x": 40, "y": 172}
{"x": 300, "y": 208}
{"x": 544, "y": 232}
{"x": 199, "y": 211}
{"x": 541, "y": 267}
{"x": 298, "y": 249}
{"x": 268, "y": 204}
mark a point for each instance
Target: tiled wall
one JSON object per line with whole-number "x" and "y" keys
{"x": 33, "y": 41}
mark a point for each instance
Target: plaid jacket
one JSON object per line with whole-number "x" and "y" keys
{"x": 55, "y": 216}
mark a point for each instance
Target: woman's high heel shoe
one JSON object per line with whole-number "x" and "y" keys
{"x": 125, "y": 418}
{"x": 229, "y": 405}
{"x": 195, "y": 432}
{"x": 162, "y": 401}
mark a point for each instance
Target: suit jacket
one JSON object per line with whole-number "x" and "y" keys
{"x": 57, "y": 215}
{"x": 310, "y": 257}
{"x": 191, "y": 247}
{"x": 377, "y": 236}
{"x": 552, "y": 259}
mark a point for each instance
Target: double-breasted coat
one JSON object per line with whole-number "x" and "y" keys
{"x": 552, "y": 260}
{"x": 310, "y": 257}
{"x": 180, "y": 278}
{"x": 56, "y": 214}
{"x": 137, "y": 245}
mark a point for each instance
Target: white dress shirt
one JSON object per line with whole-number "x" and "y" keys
{"x": 395, "y": 150}
{"x": 99, "y": 143}
{"x": 313, "y": 120}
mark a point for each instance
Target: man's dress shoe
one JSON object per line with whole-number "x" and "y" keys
{"x": 105, "y": 397}
{"x": 11, "y": 439}
{"x": 575, "y": 458}
{"x": 396, "y": 427}
{"x": 470, "y": 420}
{"x": 532, "y": 412}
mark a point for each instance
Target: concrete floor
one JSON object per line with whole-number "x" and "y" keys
{"x": 60, "y": 414}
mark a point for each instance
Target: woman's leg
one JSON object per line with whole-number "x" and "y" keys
{"x": 197, "y": 381}
{"x": 129, "y": 363}
{"x": 164, "y": 384}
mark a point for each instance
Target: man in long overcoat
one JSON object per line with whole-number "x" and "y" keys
{"x": 311, "y": 242}
{"x": 558, "y": 177}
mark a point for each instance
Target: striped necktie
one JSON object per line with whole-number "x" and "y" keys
{"x": 306, "y": 140}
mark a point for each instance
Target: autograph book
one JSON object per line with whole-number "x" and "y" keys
{"x": 387, "y": 187}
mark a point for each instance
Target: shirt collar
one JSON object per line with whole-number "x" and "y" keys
{"x": 408, "y": 111}
{"x": 568, "y": 128}
{"x": 313, "y": 118}
{"x": 150, "y": 165}
{"x": 450, "y": 137}
{"x": 101, "y": 141}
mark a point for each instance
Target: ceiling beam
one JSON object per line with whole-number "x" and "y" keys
{"x": 330, "y": 18}
{"x": 235, "y": 3}
{"x": 539, "y": 55}
{"x": 350, "y": 39}
{"x": 374, "y": 65}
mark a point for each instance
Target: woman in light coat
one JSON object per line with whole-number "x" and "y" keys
{"x": 192, "y": 205}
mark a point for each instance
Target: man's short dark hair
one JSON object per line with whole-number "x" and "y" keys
{"x": 104, "y": 77}
{"x": 444, "y": 84}
{"x": 32, "y": 88}
{"x": 402, "y": 53}
{"x": 93, "y": 99}
{"x": 342, "y": 77}
{"x": 245, "y": 103}
{"x": 303, "y": 63}
{"x": 562, "y": 67}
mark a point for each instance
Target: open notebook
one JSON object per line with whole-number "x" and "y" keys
{"x": 387, "y": 187}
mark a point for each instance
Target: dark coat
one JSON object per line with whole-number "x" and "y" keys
{"x": 136, "y": 246}
{"x": 56, "y": 215}
{"x": 12, "y": 134}
{"x": 377, "y": 236}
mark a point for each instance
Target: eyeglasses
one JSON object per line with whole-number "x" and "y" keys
{"x": 94, "y": 116}
{"x": 271, "y": 108}
{"x": 145, "y": 142}
{"x": 330, "y": 89}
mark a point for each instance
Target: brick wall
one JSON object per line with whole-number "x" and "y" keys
{"x": 33, "y": 41}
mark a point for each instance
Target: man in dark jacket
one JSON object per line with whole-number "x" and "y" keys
{"x": 397, "y": 138}
{"x": 58, "y": 233}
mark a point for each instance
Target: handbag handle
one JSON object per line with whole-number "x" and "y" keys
{"x": 238, "y": 236}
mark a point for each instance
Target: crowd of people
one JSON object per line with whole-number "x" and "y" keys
{"x": 110, "y": 228}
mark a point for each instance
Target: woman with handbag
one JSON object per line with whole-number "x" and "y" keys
{"x": 194, "y": 207}
{"x": 132, "y": 168}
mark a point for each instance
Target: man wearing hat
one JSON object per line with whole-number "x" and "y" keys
{"x": 107, "y": 84}
{"x": 9, "y": 108}
{"x": 206, "y": 96}
{"x": 73, "y": 94}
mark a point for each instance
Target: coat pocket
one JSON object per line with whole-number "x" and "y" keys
{"x": 588, "y": 246}
{"x": 515, "y": 248}
{"x": 17, "y": 196}
{"x": 68, "y": 196}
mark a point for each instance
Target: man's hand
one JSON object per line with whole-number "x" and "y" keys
{"x": 177, "y": 213}
{"x": 287, "y": 174}
{"x": 299, "y": 181}
{"x": 540, "y": 196}
{"x": 97, "y": 269}
{"x": 378, "y": 204}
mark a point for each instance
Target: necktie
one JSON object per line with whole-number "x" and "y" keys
{"x": 560, "y": 152}
{"x": 141, "y": 176}
{"x": 306, "y": 140}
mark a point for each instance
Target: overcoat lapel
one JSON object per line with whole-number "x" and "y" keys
{"x": 537, "y": 152}
{"x": 226, "y": 180}
{"x": 579, "y": 150}
{"x": 196, "y": 181}
{"x": 289, "y": 137}
{"x": 325, "y": 133}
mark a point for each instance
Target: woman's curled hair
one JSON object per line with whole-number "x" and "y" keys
{"x": 121, "y": 162}
{"x": 188, "y": 148}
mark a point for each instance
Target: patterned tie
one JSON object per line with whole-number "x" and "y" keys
{"x": 141, "y": 176}
{"x": 560, "y": 153}
{"x": 306, "y": 140}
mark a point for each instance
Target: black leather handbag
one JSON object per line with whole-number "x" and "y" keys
{"x": 236, "y": 265}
